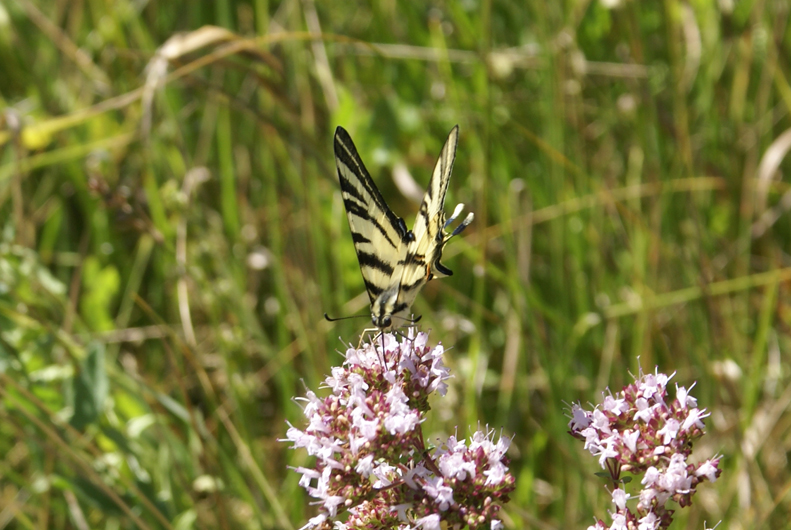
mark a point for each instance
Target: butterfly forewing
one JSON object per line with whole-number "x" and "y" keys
{"x": 380, "y": 236}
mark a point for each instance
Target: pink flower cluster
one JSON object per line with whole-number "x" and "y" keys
{"x": 373, "y": 469}
{"x": 640, "y": 430}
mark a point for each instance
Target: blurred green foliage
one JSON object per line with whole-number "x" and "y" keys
{"x": 172, "y": 232}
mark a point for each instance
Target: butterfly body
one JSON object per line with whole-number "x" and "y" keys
{"x": 395, "y": 262}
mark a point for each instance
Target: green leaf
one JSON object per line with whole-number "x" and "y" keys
{"x": 90, "y": 387}
{"x": 101, "y": 286}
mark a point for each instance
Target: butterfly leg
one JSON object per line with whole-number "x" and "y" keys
{"x": 379, "y": 334}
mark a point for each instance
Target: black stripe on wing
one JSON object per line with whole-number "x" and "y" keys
{"x": 373, "y": 261}
{"x": 373, "y": 290}
{"x": 358, "y": 210}
{"x": 359, "y": 238}
{"x": 417, "y": 284}
{"x": 401, "y": 306}
{"x": 346, "y": 154}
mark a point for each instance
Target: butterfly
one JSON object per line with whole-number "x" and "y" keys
{"x": 395, "y": 262}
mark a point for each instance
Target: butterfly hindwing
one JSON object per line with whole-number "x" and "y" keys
{"x": 430, "y": 237}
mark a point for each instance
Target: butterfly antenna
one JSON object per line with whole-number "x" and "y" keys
{"x": 410, "y": 323}
{"x": 330, "y": 319}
